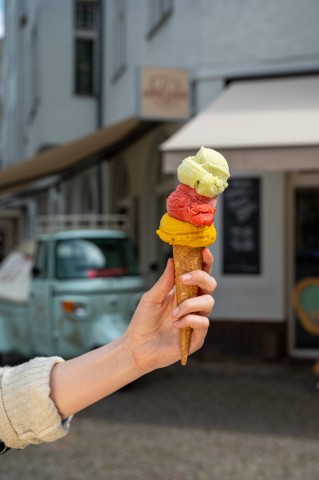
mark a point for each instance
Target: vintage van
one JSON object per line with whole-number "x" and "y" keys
{"x": 76, "y": 293}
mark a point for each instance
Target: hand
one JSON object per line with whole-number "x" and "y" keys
{"x": 150, "y": 342}
{"x": 152, "y": 336}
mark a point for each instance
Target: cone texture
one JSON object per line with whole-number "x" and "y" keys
{"x": 186, "y": 259}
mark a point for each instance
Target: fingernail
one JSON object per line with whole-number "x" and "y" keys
{"x": 186, "y": 277}
{"x": 175, "y": 312}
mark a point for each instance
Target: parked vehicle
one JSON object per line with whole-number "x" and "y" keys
{"x": 78, "y": 292}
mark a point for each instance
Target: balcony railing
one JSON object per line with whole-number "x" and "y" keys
{"x": 55, "y": 223}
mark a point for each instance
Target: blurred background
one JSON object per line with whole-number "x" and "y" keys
{"x": 100, "y": 102}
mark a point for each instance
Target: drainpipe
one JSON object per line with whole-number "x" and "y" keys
{"x": 32, "y": 214}
{"x": 100, "y": 98}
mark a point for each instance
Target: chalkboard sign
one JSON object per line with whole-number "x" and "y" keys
{"x": 241, "y": 252}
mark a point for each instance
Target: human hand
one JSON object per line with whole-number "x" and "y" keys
{"x": 150, "y": 342}
{"x": 152, "y": 336}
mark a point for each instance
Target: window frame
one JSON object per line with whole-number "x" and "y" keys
{"x": 89, "y": 35}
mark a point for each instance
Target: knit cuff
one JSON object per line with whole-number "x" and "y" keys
{"x": 27, "y": 413}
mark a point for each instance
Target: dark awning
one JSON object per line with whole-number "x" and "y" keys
{"x": 106, "y": 142}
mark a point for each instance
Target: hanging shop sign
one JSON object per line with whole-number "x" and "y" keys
{"x": 164, "y": 93}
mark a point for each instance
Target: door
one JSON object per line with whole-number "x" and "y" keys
{"x": 304, "y": 266}
{"x": 43, "y": 339}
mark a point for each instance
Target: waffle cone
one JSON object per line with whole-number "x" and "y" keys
{"x": 186, "y": 259}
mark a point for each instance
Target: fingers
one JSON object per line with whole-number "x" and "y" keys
{"x": 163, "y": 286}
{"x": 202, "y": 278}
{"x": 208, "y": 260}
{"x": 196, "y": 322}
{"x": 202, "y": 305}
{"x": 206, "y": 283}
{"x": 199, "y": 325}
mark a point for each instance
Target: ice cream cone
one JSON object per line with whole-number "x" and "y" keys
{"x": 186, "y": 259}
{"x": 188, "y": 224}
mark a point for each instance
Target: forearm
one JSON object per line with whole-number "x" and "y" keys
{"x": 77, "y": 383}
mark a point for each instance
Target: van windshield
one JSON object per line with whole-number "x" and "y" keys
{"x": 94, "y": 258}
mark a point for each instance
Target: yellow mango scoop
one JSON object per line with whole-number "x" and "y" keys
{"x": 176, "y": 232}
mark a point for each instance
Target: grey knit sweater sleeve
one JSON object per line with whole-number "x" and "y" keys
{"x": 27, "y": 413}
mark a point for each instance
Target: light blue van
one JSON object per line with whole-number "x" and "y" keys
{"x": 84, "y": 286}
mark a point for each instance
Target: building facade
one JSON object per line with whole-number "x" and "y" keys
{"x": 76, "y": 67}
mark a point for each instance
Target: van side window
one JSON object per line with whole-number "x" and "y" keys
{"x": 40, "y": 269}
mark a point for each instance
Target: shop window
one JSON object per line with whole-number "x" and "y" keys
{"x": 86, "y": 45}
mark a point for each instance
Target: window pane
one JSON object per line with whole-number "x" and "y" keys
{"x": 95, "y": 258}
{"x": 84, "y": 66}
{"x": 85, "y": 15}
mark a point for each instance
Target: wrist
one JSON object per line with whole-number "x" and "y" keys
{"x": 128, "y": 358}
{"x": 115, "y": 364}
{"x": 143, "y": 355}
{"x": 81, "y": 381}
{"x": 132, "y": 354}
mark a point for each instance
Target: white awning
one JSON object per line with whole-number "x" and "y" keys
{"x": 268, "y": 124}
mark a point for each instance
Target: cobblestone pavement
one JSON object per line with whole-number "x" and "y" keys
{"x": 219, "y": 420}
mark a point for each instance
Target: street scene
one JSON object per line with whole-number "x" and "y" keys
{"x": 159, "y": 241}
{"x": 205, "y": 421}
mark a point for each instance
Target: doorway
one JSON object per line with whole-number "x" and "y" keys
{"x": 304, "y": 266}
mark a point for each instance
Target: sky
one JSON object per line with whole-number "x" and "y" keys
{"x": 1, "y": 19}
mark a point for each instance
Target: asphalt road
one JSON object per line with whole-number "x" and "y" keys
{"x": 220, "y": 420}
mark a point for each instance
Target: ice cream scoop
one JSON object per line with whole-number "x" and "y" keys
{"x": 187, "y": 205}
{"x": 176, "y": 232}
{"x": 188, "y": 225}
{"x": 207, "y": 172}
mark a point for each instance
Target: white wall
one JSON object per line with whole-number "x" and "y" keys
{"x": 215, "y": 40}
{"x": 60, "y": 116}
{"x": 256, "y": 297}
{"x": 172, "y": 45}
{"x": 66, "y": 116}
{"x": 255, "y": 31}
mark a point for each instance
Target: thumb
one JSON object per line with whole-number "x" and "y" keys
{"x": 163, "y": 286}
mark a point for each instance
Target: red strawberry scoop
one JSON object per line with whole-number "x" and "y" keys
{"x": 187, "y": 205}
